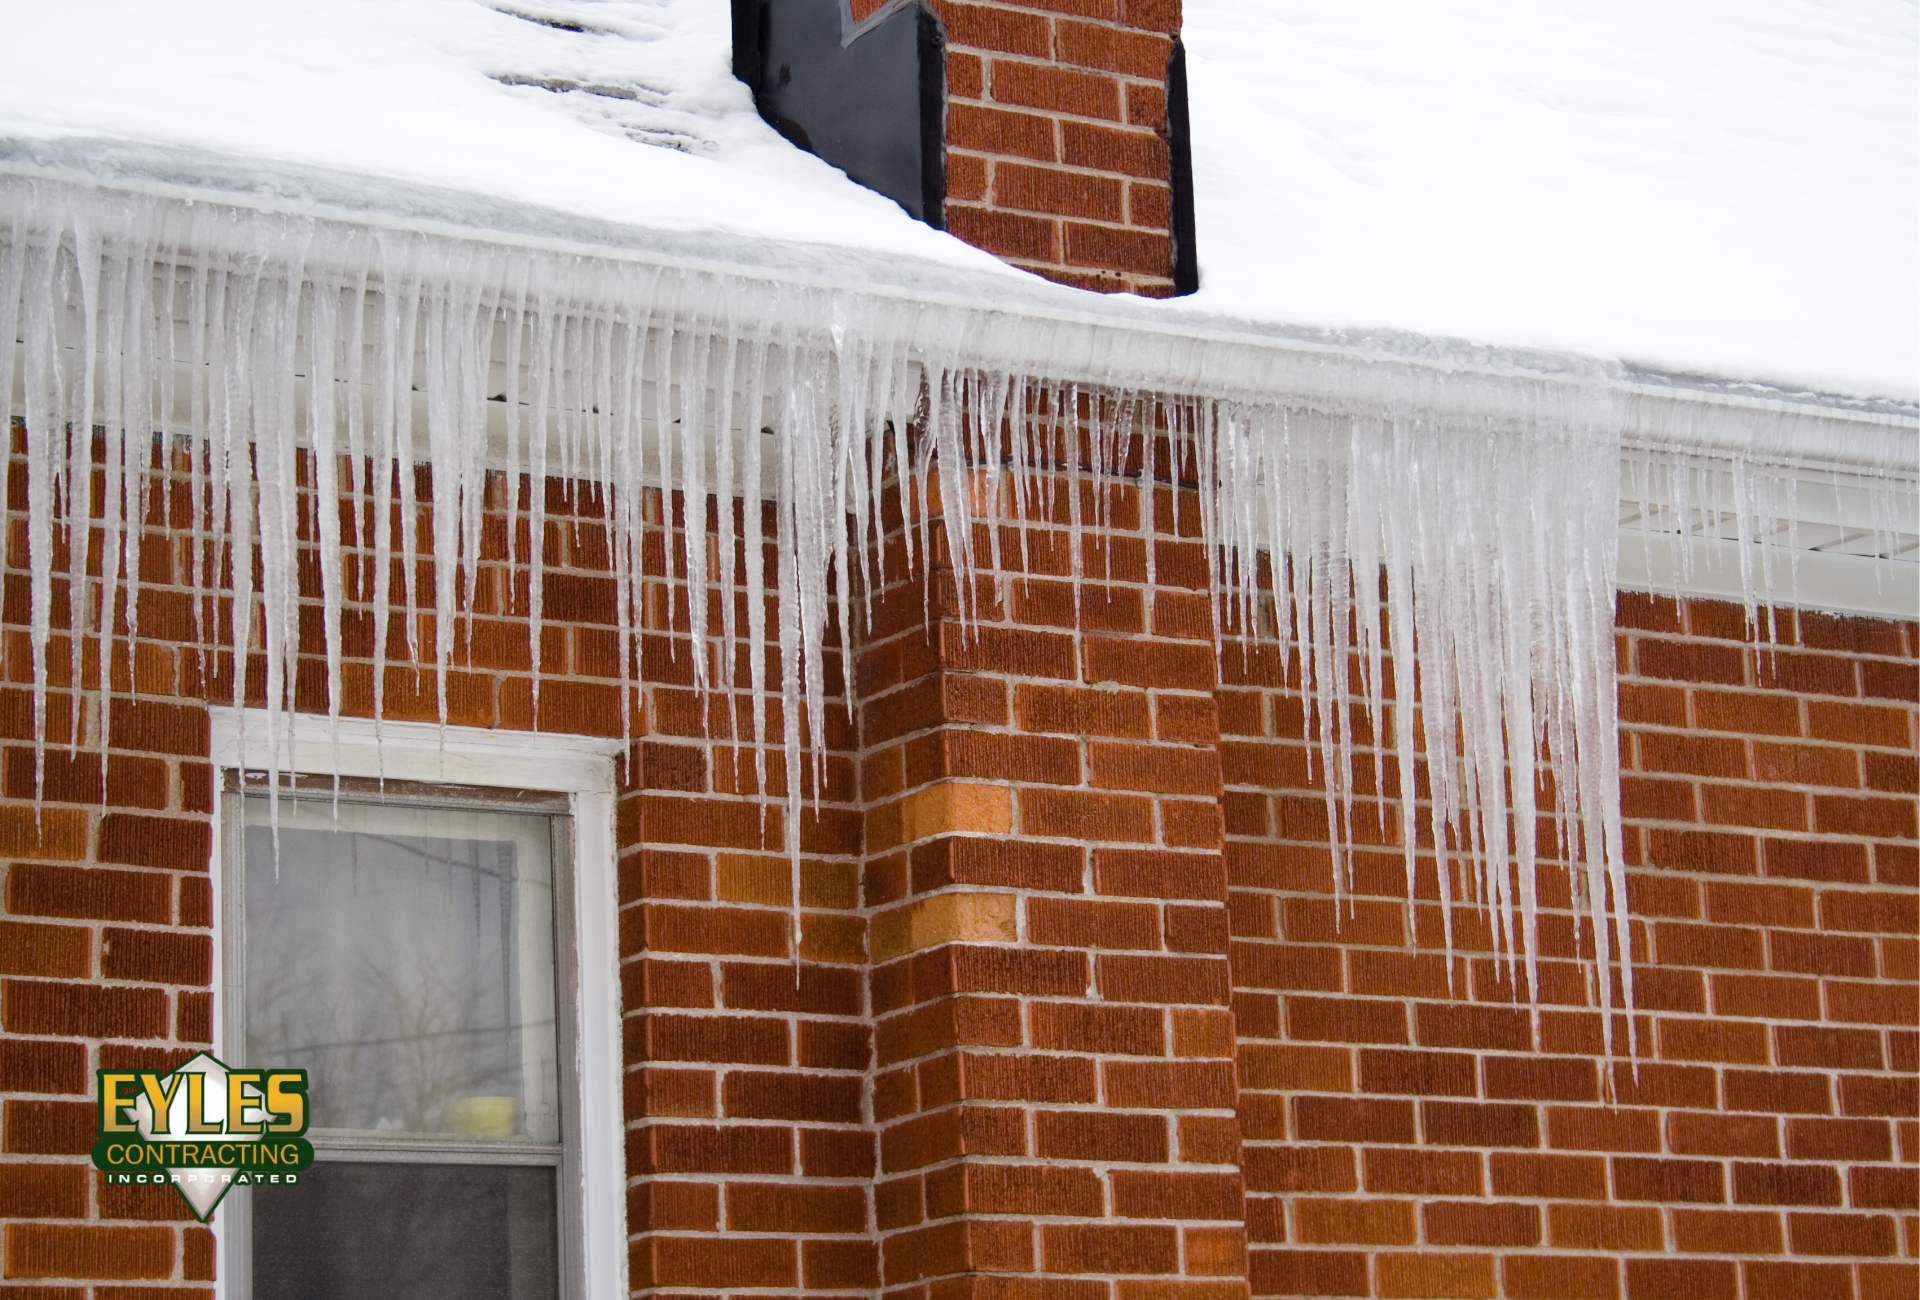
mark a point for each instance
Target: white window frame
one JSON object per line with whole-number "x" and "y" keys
{"x": 580, "y": 767}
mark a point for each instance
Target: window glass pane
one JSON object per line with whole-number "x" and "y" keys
{"x": 404, "y": 957}
{"x": 407, "y": 1232}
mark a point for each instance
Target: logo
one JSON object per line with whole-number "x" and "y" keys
{"x": 203, "y": 1128}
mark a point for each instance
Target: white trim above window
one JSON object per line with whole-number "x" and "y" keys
{"x": 579, "y": 767}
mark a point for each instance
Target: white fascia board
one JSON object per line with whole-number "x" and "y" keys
{"x": 1856, "y": 585}
{"x": 1838, "y": 541}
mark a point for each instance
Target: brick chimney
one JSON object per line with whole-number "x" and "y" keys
{"x": 1051, "y": 133}
{"x": 1057, "y": 137}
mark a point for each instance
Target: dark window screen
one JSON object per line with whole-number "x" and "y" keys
{"x": 407, "y": 1232}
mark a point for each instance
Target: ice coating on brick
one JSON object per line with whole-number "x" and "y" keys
{"x": 1483, "y": 501}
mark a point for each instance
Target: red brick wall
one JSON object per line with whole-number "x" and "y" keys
{"x": 742, "y": 1094}
{"x": 1053, "y": 1073}
{"x": 1056, "y": 156}
{"x": 1020, "y": 1058}
{"x": 750, "y": 1157}
{"x": 106, "y": 949}
{"x": 1407, "y": 1140}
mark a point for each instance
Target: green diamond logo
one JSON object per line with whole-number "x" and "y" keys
{"x": 203, "y": 1128}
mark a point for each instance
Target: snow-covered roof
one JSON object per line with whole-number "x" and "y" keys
{"x": 1726, "y": 186}
{"x": 1700, "y": 186}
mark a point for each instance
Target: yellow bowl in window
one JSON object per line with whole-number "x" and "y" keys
{"x": 482, "y": 1116}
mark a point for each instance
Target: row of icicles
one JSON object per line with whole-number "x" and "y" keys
{"x": 281, "y": 346}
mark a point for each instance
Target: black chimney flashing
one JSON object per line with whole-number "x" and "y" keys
{"x": 871, "y": 99}
{"x": 1186, "y": 266}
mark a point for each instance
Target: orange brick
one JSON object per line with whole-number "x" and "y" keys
{"x": 1135, "y": 873}
{"x": 1082, "y": 712}
{"x": 1435, "y": 1276}
{"x": 1300, "y": 1168}
{"x": 1385, "y": 1223}
{"x": 1057, "y": 192}
{"x": 788, "y": 1208}
{"x": 1885, "y": 913}
{"x": 43, "y": 1191}
{"x": 999, "y": 28}
{"x": 1145, "y": 251}
{"x": 1698, "y": 1279}
{"x": 1709, "y": 1133}
{"x": 1777, "y": 1184}
{"x": 1711, "y": 1040}
{"x": 1073, "y": 814}
{"x": 997, "y": 131}
{"x": 1096, "y": 45}
{"x": 1100, "y": 1248}
{"x": 1030, "y": 1189}
{"x": 712, "y": 1262}
{"x": 1060, "y": 90}
{"x": 1857, "y": 1235}
{"x": 1605, "y": 1227}
{"x": 55, "y": 951}
{"x": 1071, "y": 1135}
{"x": 1422, "y": 1172}
{"x": 1470, "y": 1223}
{"x": 1162, "y": 769}
{"x": 1560, "y": 1277}
{"x": 1140, "y": 1195}
{"x": 1335, "y": 1119}
{"x": 1860, "y": 724}
{"x": 45, "y": 1250}
{"x": 1168, "y": 1085}
{"x": 82, "y": 1011}
{"x": 89, "y": 893}
{"x": 1733, "y": 1232}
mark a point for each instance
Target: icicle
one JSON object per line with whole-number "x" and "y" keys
{"x": 727, "y": 490}
{"x": 272, "y": 453}
{"x": 693, "y": 430}
{"x": 624, "y": 458}
{"x": 1483, "y": 501}
{"x": 388, "y": 392}
{"x": 542, "y": 367}
{"x": 122, "y": 311}
{"x": 794, "y": 447}
{"x": 445, "y": 417}
{"x": 754, "y": 527}
{"x": 405, "y": 306}
{"x": 664, "y": 445}
{"x": 1069, "y": 461}
{"x": 323, "y": 343}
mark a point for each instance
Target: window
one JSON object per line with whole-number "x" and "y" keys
{"x": 413, "y": 946}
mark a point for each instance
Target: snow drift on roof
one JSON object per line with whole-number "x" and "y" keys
{"x": 553, "y": 103}
{"x": 1704, "y": 186}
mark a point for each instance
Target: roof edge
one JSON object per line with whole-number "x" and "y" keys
{"x": 1220, "y": 355}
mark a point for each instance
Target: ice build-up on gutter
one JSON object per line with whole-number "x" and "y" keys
{"x": 1483, "y": 485}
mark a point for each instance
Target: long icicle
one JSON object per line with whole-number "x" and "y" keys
{"x": 1494, "y": 535}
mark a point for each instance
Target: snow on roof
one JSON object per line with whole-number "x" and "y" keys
{"x": 1728, "y": 186}
{"x": 620, "y": 110}
{"x": 1709, "y": 186}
